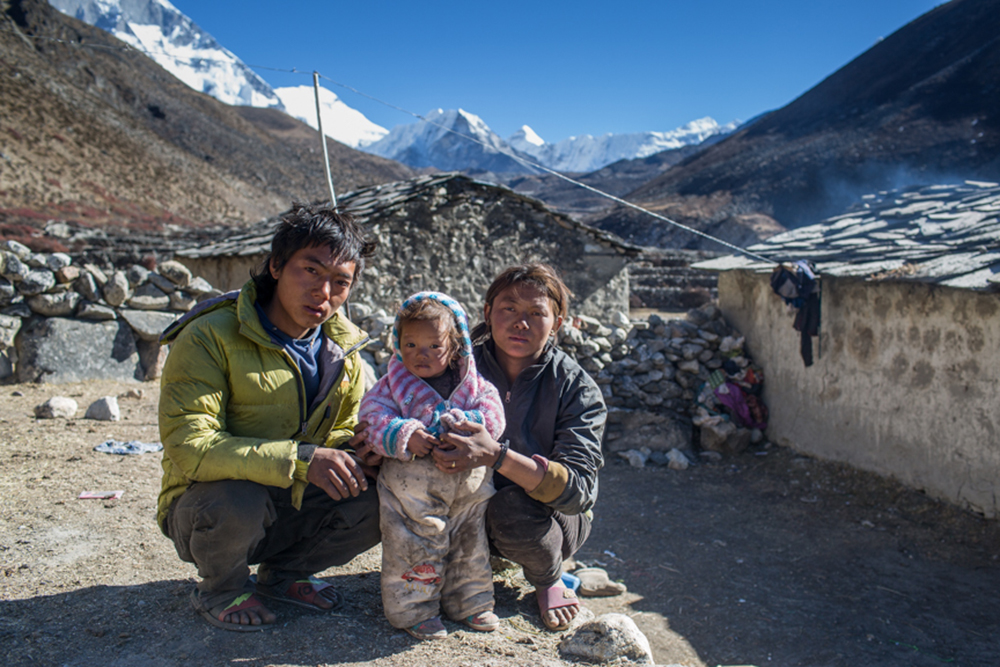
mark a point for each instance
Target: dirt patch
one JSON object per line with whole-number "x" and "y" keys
{"x": 768, "y": 558}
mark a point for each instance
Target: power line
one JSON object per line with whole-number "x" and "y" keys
{"x": 521, "y": 160}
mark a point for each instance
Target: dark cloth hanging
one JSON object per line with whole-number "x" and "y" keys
{"x": 800, "y": 289}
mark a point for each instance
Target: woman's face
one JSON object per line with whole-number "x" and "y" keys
{"x": 522, "y": 318}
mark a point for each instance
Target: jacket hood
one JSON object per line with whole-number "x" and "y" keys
{"x": 461, "y": 321}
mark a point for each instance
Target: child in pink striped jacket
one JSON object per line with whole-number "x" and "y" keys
{"x": 435, "y": 554}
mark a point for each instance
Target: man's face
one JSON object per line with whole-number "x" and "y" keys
{"x": 310, "y": 290}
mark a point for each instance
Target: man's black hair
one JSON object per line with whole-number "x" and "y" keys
{"x": 313, "y": 226}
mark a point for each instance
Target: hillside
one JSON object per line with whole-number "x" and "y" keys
{"x": 918, "y": 107}
{"x": 102, "y": 135}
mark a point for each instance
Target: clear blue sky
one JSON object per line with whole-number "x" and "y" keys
{"x": 564, "y": 67}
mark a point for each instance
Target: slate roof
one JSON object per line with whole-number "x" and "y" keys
{"x": 378, "y": 200}
{"x": 944, "y": 234}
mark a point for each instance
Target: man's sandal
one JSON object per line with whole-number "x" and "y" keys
{"x": 555, "y": 597}
{"x": 301, "y": 593}
{"x": 240, "y": 603}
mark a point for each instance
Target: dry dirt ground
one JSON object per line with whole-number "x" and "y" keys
{"x": 768, "y": 558}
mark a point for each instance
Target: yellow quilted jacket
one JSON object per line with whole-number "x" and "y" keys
{"x": 232, "y": 403}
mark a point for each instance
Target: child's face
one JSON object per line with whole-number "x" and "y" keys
{"x": 425, "y": 347}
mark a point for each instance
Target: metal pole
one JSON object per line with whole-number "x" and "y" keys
{"x": 322, "y": 139}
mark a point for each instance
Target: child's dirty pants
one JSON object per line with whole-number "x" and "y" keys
{"x": 434, "y": 551}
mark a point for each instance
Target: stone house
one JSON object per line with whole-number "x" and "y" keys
{"x": 905, "y": 380}
{"x": 450, "y": 233}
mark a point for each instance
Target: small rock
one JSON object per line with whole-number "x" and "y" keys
{"x": 677, "y": 460}
{"x": 132, "y": 393}
{"x": 20, "y": 250}
{"x": 176, "y": 272}
{"x": 137, "y": 275}
{"x": 95, "y": 311}
{"x": 635, "y": 457}
{"x": 54, "y": 305}
{"x": 57, "y": 406}
{"x": 149, "y": 297}
{"x": 610, "y": 638}
{"x": 58, "y": 260}
{"x": 104, "y": 409}
{"x": 199, "y": 286}
{"x": 164, "y": 284}
{"x": 87, "y": 286}
{"x": 97, "y": 273}
{"x": 36, "y": 282}
{"x": 67, "y": 274}
{"x": 117, "y": 289}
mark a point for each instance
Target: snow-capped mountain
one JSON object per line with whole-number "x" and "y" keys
{"x": 341, "y": 122}
{"x": 587, "y": 153}
{"x": 433, "y": 142}
{"x": 178, "y": 45}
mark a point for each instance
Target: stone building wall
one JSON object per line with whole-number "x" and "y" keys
{"x": 904, "y": 383}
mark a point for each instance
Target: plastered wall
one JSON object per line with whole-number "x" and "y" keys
{"x": 905, "y": 382}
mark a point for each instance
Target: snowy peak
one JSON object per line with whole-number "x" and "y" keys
{"x": 441, "y": 140}
{"x": 178, "y": 45}
{"x": 526, "y": 140}
{"x": 587, "y": 153}
{"x": 340, "y": 122}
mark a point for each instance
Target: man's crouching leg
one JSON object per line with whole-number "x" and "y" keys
{"x": 324, "y": 533}
{"x": 217, "y": 526}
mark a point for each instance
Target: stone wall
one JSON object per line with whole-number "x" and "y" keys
{"x": 60, "y": 322}
{"x": 904, "y": 383}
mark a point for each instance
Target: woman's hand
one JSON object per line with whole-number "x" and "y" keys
{"x": 459, "y": 453}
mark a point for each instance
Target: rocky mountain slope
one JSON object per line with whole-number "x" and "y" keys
{"x": 918, "y": 107}
{"x": 100, "y": 134}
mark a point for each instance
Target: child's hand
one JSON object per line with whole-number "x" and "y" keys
{"x": 421, "y": 443}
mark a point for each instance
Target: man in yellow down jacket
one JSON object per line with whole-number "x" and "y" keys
{"x": 258, "y": 404}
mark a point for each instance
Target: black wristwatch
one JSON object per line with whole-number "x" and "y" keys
{"x": 504, "y": 446}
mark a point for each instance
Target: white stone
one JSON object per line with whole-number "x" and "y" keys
{"x": 56, "y": 407}
{"x": 610, "y": 638}
{"x": 677, "y": 460}
{"x": 104, "y": 409}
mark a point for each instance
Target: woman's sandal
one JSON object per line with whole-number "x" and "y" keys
{"x": 301, "y": 593}
{"x": 555, "y": 597}
{"x": 484, "y": 621}
{"x": 240, "y": 603}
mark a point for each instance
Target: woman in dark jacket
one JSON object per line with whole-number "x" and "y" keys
{"x": 549, "y": 455}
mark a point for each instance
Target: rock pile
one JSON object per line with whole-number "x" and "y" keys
{"x": 651, "y": 373}
{"x": 50, "y": 309}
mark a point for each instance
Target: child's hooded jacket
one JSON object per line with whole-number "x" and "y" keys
{"x": 400, "y": 403}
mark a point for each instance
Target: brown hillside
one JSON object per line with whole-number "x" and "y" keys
{"x": 100, "y": 134}
{"x": 918, "y": 107}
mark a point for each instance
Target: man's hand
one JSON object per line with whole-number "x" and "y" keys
{"x": 421, "y": 443}
{"x": 336, "y": 472}
{"x": 370, "y": 459}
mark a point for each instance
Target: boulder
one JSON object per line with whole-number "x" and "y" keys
{"x": 175, "y": 272}
{"x": 36, "y": 282}
{"x": 611, "y": 638}
{"x": 641, "y": 428}
{"x": 152, "y": 356}
{"x": 19, "y": 250}
{"x": 57, "y": 261}
{"x": 55, "y": 407}
{"x": 149, "y": 297}
{"x": 87, "y": 286}
{"x": 117, "y": 290}
{"x": 53, "y": 305}
{"x": 104, "y": 409}
{"x": 95, "y": 311}
{"x": 148, "y": 324}
{"x": 56, "y": 349}
{"x": 9, "y": 326}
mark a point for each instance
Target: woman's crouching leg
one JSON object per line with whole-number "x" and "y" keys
{"x": 533, "y": 535}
